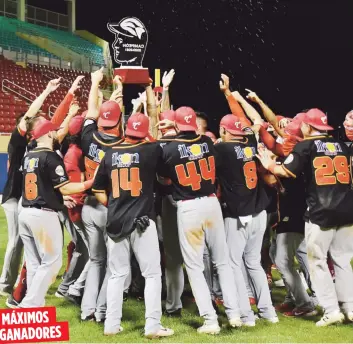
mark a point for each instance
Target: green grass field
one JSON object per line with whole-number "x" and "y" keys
{"x": 286, "y": 331}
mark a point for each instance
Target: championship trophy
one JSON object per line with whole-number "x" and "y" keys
{"x": 129, "y": 48}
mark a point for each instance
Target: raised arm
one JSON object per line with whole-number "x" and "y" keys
{"x": 268, "y": 113}
{"x": 267, "y": 161}
{"x": 93, "y": 99}
{"x": 117, "y": 95}
{"x": 64, "y": 129}
{"x": 152, "y": 110}
{"x": 63, "y": 108}
{"x": 37, "y": 104}
{"x": 166, "y": 81}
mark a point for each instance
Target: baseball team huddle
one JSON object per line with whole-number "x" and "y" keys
{"x": 161, "y": 195}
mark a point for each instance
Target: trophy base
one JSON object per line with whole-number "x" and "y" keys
{"x": 133, "y": 75}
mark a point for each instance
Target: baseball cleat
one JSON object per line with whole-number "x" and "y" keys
{"x": 349, "y": 316}
{"x": 330, "y": 319}
{"x": 273, "y": 320}
{"x": 285, "y": 307}
{"x": 76, "y": 300}
{"x": 249, "y": 323}
{"x": 301, "y": 312}
{"x": 60, "y": 295}
{"x": 12, "y": 303}
{"x": 88, "y": 318}
{"x": 235, "y": 322}
{"x": 209, "y": 329}
{"x": 108, "y": 333}
{"x": 174, "y": 314}
{"x": 163, "y": 332}
{"x": 100, "y": 320}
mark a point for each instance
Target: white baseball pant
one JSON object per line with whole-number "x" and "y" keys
{"x": 339, "y": 241}
{"x": 42, "y": 238}
{"x": 245, "y": 242}
{"x": 200, "y": 222}
{"x": 13, "y": 254}
{"x": 146, "y": 249}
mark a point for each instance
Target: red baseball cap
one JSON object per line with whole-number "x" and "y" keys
{"x": 168, "y": 114}
{"x": 137, "y": 125}
{"x": 211, "y": 135}
{"x": 185, "y": 119}
{"x": 109, "y": 114}
{"x": 279, "y": 117}
{"x": 317, "y": 119}
{"x": 75, "y": 124}
{"x": 42, "y": 128}
{"x": 232, "y": 124}
{"x": 294, "y": 129}
{"x": 299, "y": 117}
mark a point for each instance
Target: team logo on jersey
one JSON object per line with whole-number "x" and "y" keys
{"x": 95, "y": 153}
{"x": 31, "y": 164}
{"x": 59, "y": 171}
{"x": 246, "y": 154}
{"x": 193, "y": 152}
{"x": 125, "y": 160}
{"x": 328, "y": 148}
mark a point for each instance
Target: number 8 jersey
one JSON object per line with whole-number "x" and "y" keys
{"x": 242, "y": 192}
{"x": 189, "y": 161}
{"x": 325, "y": 164}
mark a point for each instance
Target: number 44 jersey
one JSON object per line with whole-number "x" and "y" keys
{"x": 189, "y": 162}
{"x": 128, "y": 173}
{"x": 325, "y": 163}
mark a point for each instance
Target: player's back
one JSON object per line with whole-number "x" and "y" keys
{"x": 189, "y": 161}
{"x": 242, "y": 193}
{"x": 41, "y": 169}
{"x": 94, "y": 144}
{"x": 131, "y": 169}
{"x": 329, "y": 183}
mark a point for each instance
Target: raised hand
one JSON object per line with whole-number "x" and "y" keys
{"x": 97, "y": 76}
{"x": 265, "y": 157}
{"x": 252, "y": 96}
{"x": 53, "y": 85}
{"x": 168, "y": 78}
{"x": 224, "y": 83}
{"x": 75, "y": 85}
{"x": 165, "y": 123}
{"x": 74, "y": 108}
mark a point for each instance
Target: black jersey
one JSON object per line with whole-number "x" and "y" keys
{"x": 128, "y": 173}
{"x": 242, "y": 192}
{"x": 16, "y": 151}
{"x": 189, "y": 162}
{"x": 43, "y": 174}
{"x": 94, "y": 144}
{"x": 325, "y": 164}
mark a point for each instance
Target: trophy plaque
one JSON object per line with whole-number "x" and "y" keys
{"x": 129, "y": 48}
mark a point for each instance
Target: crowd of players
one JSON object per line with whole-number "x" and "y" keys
{"x": 161, "y": 189}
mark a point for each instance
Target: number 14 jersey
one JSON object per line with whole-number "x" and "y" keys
{"x": 325, "y": 163}
{"x": 189, "y": 161}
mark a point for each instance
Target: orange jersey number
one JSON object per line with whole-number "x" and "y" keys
{"x": 250, "y": 174}
{"x": 120, "y": 180}
{"x": 329, "y": 171}
{"x": 31, "y": 188}
{"x": 190, "y": 176}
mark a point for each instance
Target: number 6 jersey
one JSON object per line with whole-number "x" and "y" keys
{"x": 325, "y": 164}
{"x": 189, "y": 161}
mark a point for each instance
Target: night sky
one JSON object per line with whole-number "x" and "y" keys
{"x": 296, "y": 54}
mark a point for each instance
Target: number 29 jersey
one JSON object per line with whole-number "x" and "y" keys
{"x": 325, "y": 163}
{"x": 128, "y": 173}
{"x": 189, "y": 161}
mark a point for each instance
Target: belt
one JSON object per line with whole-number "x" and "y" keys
{"x": 41, "y": 208}
{"x": 185, "y": 200}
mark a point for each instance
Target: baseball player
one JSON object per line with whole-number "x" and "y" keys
{"x": 96, "y": 138}
{"x": 44, "y": 182}
{"x": 173, "y": 258}
{"x": 329, "y": 217}
{"x": 189, "y": 161}
{"x": 75, "y": 277}
{"x": 129, "y": 170}
{"x": 244, "y": 201}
